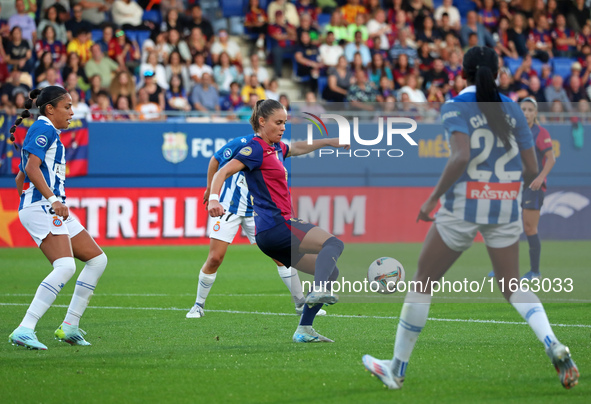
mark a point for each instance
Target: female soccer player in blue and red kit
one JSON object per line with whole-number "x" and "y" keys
{"x": 279, "y": 235}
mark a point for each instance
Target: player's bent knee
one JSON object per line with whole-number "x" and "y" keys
{"x": 66, "y": 266}
{"x": 335, "y": 243}
{"x": 98, "y": 263}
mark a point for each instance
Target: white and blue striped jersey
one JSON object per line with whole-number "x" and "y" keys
{"x": 43, "y": 141}
{"x": 489, "y": 190}
{"x": 234, "y": 196}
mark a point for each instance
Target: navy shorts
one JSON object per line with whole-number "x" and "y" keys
{"x": 282, "y": 242}
{"x": 532, "y": 199}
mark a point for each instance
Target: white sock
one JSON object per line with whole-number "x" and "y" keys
{"x": 528, "y": 305}
{"x": 412, "y": 320}
{"x": 85, "y": 285}
{"x": 205, "y": 283}
{"x": 290, "y": 277}
{"x": 63, "y": 270}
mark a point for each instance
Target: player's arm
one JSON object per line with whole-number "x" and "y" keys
{"x": 214, "y": 207}
{"x": 20, "y": 182}
{"x": 548, "y": 164}
{"x": 530, "y": 166}
{"x": 214, "y": 164}
{"x": 33, "y": 170}
{"x": 455, "y": 167}
{"x": 299, "y": 148}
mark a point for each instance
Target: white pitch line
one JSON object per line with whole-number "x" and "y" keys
{"x": 265, "y": 313}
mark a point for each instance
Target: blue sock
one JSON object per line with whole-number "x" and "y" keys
{"x": 535, "y": 250}
{"x": 309, "y": 314}
{"x": 327, "y": 260}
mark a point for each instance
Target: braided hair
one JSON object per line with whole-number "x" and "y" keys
{"x": 481, "y": 66}
{"x": 50, "y": 95}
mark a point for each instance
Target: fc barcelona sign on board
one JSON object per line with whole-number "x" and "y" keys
{"x": 175, "y": 148}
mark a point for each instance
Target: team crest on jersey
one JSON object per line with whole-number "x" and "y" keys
{"x": 216, "y": 226}
{"x": 227, "y": 153}
{"x": 56, "y": 221}
{"x": 41, "y": 141}
{"x": 246, "y": 151}
{"x": 175, "y": 148}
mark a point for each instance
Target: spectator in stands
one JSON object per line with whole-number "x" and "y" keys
{"x": 204, "y": 96}
{"x": 402, "y": 22}
{"x": 99, "y": 64}
{"x": 284, "y": 37}
{"x": 535, "y": 90}
{"x": 45, "y": 63}
{"x": 23, "y": 20}
{"x": 357, "y": 63}
{"x": 175, "y": 43}
{"x": 458, "y": 85}
{"x": 444, "y": 28}
{"x": 272, "y": 92}
{"x": 96, "y": 85}
{"x": 425, "y": 59}
{"x": 148, "y": 110}
{"x": 556, "y": 109}
{"x": 340, "y": 78}
{"x": 505, "y": 46}
{"x": 329, "y": 51}
{"x": 378, "y": 28}
{"x": 402, "y": 70}
{"x": 224, "y": 44}
{"x": 233, "y": 100}
{"x": 575, "y": 91}
{"x": 577, "y": 15}
{"x": 565, "y": 43}
{"x": 52, "y": 78}
{"x": 337, "y": 26}
{"x": 81, "y": 45}
{"x": 155, "y": 43}
{"x": 127, "y": 14}
{"x": 428, "y": 34}
{"x": 539, "y": 39}
{"x": 358, "y": 47}
{"x": 306, "y": 57}
{"x": 255, "y": 23}
{"x": 312, "y": 106}
{"x": 12, "y": 86}
{"x": 472, "y": 41}
{"x": 76, "y": 23}
{"x": 584, "y": 109}
{"x": 377, "y": 48}
{"x": 351, "y": 9}
{"x": 73, "y": 66}
{"x": 404, "y": 46}
{"x": 288, "y": 10}
{"x": 473, "y": 26}
{"x": 172, "y": 21}
{"x": 327, "y": 6}
{"x": 524, "y": 72}
{"x": 506, "y": 84}
{"x": 176, "y": 66}
{"x": 201, "y": 23}
{"x": 198, "y": 67}
{"x": 154, "y": 91}
{"x": 435, "y": 94}
{"x": 256, "y": 68}
{"x": 197, "y": 43}
{"x": 225, "y": 73}
{"x": 416, "y": 9}
{"x": 411, "y": 88}
{"x": 453, "y": 13}
{"x": 437, "y": 76}
{"x": 18, "y": 51}
{"x": 284, "y": 100}
{"x": 363, "y": 94}
{"x": 94, "y": 11}
{"x": 123, "y": 84}
{"x": 546, "y": 76}
{"x": 62, "y": 7}
{"x": 358, "y": 25}
{"x": 121, "y": 108}
{"x": 489, "y": 15}
{"x": 80, "y": 108}
{"x": 306, "y": 26}
{"x": 307, "y": 7}
{"x": 244, "y": 112}
{"x": 108, "y": 43}
{"x": 453, "y": 68}
{"x": 176, "y": 95}
{"x": 253, "y": 86}
{"x": 47, "y": 43}
{"x": 52, "y": 19}
{"x": 129, "y": 55}
{"x": 159, "y": 73}
{"x": 584, "y": 39}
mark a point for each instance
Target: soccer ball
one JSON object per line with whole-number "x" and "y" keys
{"x": 386, "y": 272}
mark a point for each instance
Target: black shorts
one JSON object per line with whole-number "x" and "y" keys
{"x": 282, "y": 242}
{"x": 532, "y": 199}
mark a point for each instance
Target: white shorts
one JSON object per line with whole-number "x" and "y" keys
{"x": 225, "y": 228}
{"x": 39, "y": 223}
{"x": 459, "y": 234}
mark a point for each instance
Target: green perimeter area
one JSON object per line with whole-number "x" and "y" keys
{"x": 145, "y": 350}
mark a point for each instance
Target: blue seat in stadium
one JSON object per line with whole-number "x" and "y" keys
{"x": 141, "y": 37}
{"x": 299, "y": 79}
{"x": 323, "y": 19}
{"x": 464, "y": 6}
{"x": 537, "y": 64}
{"x": 96, "y": 34}
{"x": 131, "y": 35}
{"x": 561, "y": 66}
{"x": 264, "y": 4}
{"x": 512, "y": 64}
{"x": 322, "y": 83}
{"x": 153, "y": 15}
{"x": 232, "y": 8}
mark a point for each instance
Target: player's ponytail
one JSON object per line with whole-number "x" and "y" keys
{"x": 264, "y": 109}
{"x": 481, "y": 66}
{"x": 25, "y": 114}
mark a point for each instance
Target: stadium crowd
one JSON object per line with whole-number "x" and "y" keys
{"x": 117, "y": 56}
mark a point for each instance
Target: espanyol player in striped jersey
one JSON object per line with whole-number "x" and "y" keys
{"x": 238, "y": 211}
{"x": 479, "y": 190}
{"x": 43, "y": 213}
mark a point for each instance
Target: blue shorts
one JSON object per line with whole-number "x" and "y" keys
{"x": 532, "y": 199}
{"x": 282, "y": 242}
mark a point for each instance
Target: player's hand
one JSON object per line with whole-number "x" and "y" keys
{"x": 206, "y": 196}
{"x": 536, "y": 184}
{"x": 60, "y": 209}
{"x": 428, "y": 207}
{"x": 334, "y": 142}
{"x": 215, "y": 209}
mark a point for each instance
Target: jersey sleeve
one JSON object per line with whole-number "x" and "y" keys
{"x": 285, "y": 149}
{"x": 230, "y": 150}
{"x": 543, "y": 142}
{"x": 251, "y": 156}
{"x": 452, "y": 119}
{"x": 523, "y": 135}
{"x": 38, "y": 141}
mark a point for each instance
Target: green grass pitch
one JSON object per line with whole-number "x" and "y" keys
{"x": 145, "y": 350}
